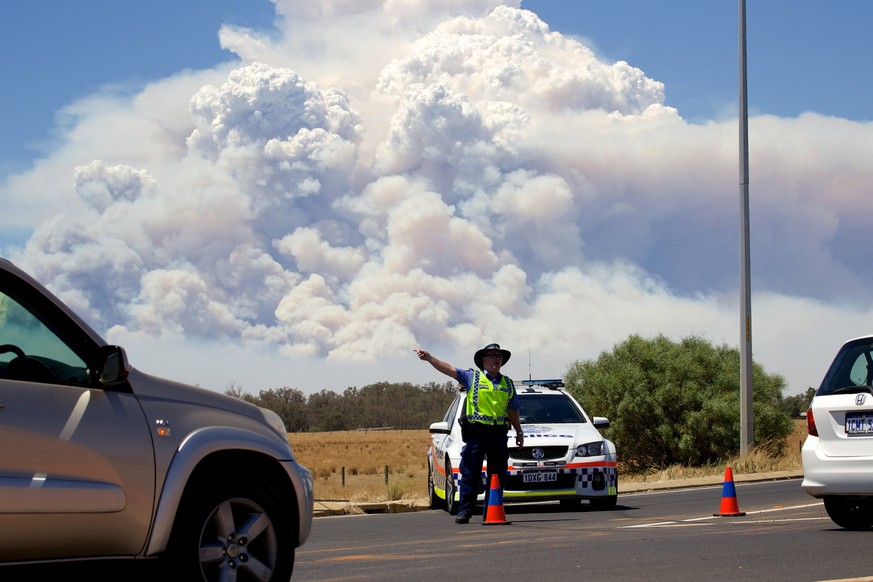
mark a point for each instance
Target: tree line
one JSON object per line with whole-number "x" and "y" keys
{"x": 381, "y": 405}
{"x": 675, "y": 403}
{"x": 668, "y": 402}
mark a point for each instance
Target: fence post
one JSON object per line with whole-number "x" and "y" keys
{"x": 386, "y": 474}
{"x": 343, "y": 477}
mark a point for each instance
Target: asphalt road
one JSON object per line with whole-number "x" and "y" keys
{"x": 660, "y": 535}
{"x": 667, "y": 535}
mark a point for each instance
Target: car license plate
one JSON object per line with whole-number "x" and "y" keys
{"x": 539, "y": 477}
{"x": 859, "y": 424}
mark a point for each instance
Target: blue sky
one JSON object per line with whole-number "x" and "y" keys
{"x": 804, "y": 55}
{"x": 270, "y": 201}
{"x": 58, "y": 51}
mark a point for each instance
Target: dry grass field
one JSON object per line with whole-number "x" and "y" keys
{"x": 383, "y": 465}
{"x": 364, "y": 455}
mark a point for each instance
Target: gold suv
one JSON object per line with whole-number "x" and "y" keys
{"x": 98, "y": 459}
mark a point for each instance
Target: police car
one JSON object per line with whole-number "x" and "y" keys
{"x": 564, "y": 457}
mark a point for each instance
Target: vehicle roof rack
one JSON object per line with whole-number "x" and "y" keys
{"x": 551, "y": 384}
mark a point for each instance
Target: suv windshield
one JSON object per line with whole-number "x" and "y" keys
{"x": 851, "y": 370}
{"x": 547, "y": 408}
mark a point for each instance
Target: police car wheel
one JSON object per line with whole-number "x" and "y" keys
{"x": 573, "y": 504}
{"x": 435, "y": 501}
{"x": 604, "y": 503}
{"x": 452, "y": 506}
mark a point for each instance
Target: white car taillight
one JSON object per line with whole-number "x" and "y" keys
{"x": 810, "y": 423}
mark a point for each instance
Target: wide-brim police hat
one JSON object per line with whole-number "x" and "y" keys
{"x": 477, "y": 357}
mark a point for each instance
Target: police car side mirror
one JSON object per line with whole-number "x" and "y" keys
{"x": 440, "y": 428}
{"x": 600, "y": 422}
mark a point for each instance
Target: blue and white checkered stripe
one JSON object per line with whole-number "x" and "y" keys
{"x": 585, "y": 475}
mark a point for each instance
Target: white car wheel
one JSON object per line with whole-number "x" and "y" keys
{"x": 854, "y": 513}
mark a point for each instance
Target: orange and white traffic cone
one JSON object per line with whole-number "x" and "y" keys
{"x": 494, "y": 514}
{"x": 729, "y": 505}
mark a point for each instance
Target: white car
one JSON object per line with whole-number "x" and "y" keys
{"x": 838, "y": 453}
{"x": 564, "y": 456}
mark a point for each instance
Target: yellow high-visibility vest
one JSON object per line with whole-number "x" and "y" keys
{"x": 486, "y": 403}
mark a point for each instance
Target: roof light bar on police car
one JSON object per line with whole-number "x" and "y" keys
{"x": 552, "y": 384}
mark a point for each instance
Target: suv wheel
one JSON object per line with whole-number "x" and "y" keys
{"x": 236, "y": 530}
{"x": 850, "y": 512}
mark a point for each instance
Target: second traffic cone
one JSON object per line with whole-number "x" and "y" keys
{"x": 494, "y": 514}
{"x": 729, "y": 505}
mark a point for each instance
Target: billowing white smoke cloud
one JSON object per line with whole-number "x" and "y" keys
{"x": 388, "y": 174}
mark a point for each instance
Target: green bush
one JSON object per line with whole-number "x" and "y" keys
{"x": 677, "y": 403}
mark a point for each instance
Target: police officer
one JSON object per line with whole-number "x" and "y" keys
{"x": 491, "y": 403}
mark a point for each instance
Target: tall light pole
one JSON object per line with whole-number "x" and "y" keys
{"x": 747, "y": 429}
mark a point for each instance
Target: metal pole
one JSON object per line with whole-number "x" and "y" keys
{"x": 747, "y": 430}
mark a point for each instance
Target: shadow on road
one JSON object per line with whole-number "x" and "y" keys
{"x": 127, "y": 570}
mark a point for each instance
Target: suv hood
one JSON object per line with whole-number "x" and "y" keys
{"x": 188, "y": 407}
{"x": 152, "y": 388}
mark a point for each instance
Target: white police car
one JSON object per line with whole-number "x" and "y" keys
{"x": 564, "y": 456}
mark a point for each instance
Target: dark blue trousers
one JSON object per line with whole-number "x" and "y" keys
{"x": 481, "y": 443}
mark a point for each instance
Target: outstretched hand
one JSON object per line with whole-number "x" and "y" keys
{"x": 440, "y": 365}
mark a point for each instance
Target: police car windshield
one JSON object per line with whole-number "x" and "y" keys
{"x": 539, "y": 408}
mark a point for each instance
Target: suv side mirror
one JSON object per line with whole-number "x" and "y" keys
{"x": 113, "y": 365}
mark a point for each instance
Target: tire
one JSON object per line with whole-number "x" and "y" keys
{"x": 854, "y": 513}
{"x": 571, "y": 504}
{"x": 604, "y": 503}
{"x": 607, "y": 503}
{"x": 435, "y": 501}
{"x": 238, "y": 530}
{"x": 452, "y": 505}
